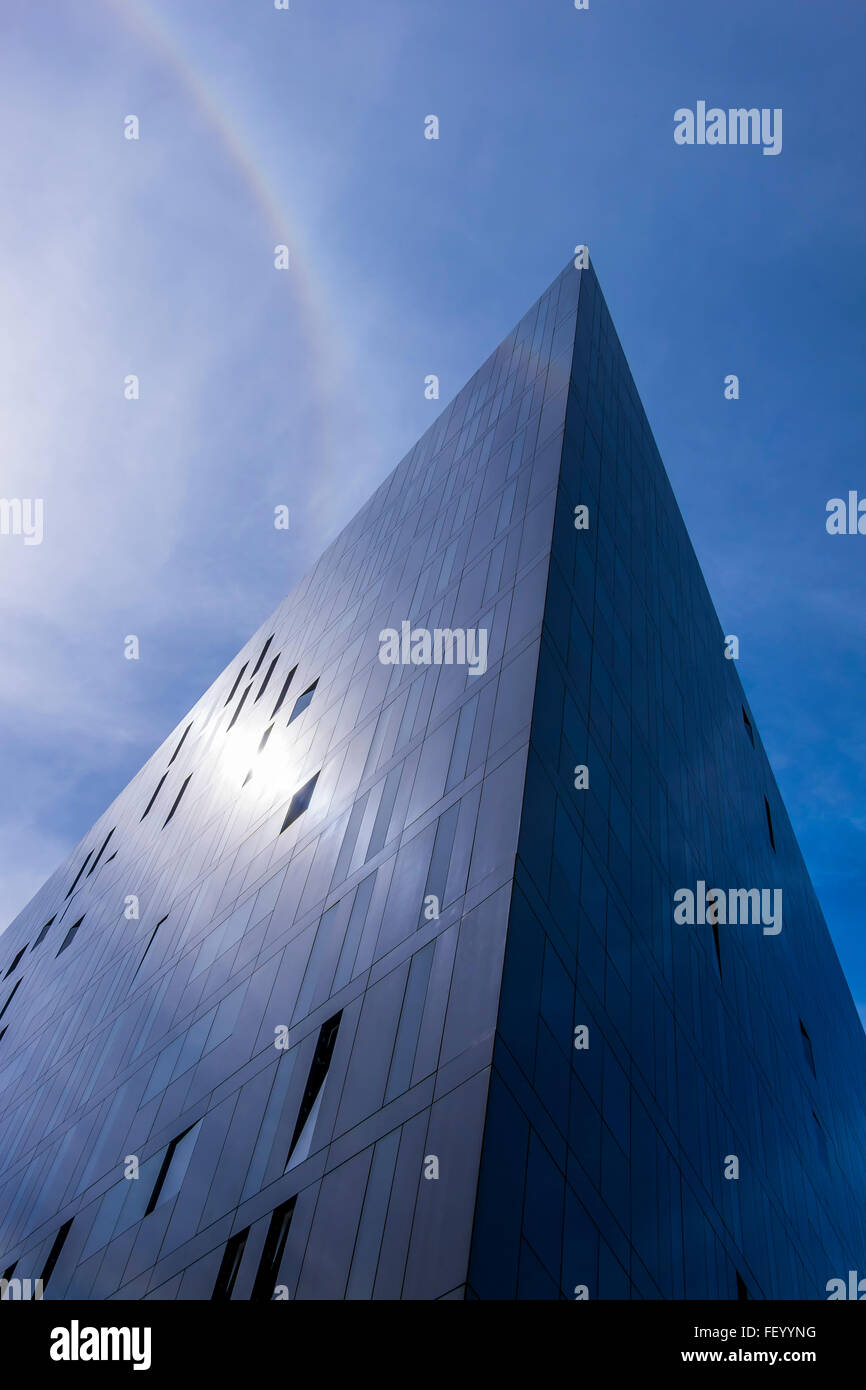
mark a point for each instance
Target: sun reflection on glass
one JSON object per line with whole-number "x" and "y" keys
{"x": 250, "y": 756}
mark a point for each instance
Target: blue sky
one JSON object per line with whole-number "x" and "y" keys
{"x": 409, "y": 256}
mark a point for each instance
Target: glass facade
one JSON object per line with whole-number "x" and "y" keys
{"x": 298, "y": 1017}
{"x": 607, "y": 1169}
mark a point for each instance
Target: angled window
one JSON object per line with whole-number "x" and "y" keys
{"x": 155, "y": 795}
{"x": 231, "y": 1263}
{"x": 174, "y": 1166}
{"x": 241, "y": 703}
{"x": 262, "y": 656}
{"x": 718, "y": 948}
{"x": 44, "y": 932}
{"x": 742, "y": 1291}
{"x": 102, "y": 850}
{"x": 299, "y": 802}
{"x": 15, "y": 962}
{"x": 748, "y": 723}
{"x": 264, "y": 738}
{"x": 7, "y": 1273}
{"x": 148, "y": 946}
{"x": 238, "y": 677}
{"x": 176, "y": 801}
{"x": 285, "y": 690}
{"x": 272, "y": 1253}
{"x": 180, "y": 745}
{"x": 78, "y": 876}
{"x": 770, "y": 824}
{"x": 312, "y": 1098}
{"x": 2, "y": 1031}
{"x": 302, "y": 701}
{"x": 807, "y": 1048}
{"x": 9, "y": 998}
{"x": 69, "y": 937}
{"x": 54, "y": 1254}
{"x": 268, "y": 674}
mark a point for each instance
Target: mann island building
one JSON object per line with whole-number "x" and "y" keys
{"x": 370, "y": 986}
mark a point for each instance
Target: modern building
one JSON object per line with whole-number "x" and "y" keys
{"x": 374, "y": 983}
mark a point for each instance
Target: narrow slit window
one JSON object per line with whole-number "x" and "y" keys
{"x": 264, "y": 738}
{"x": 44, "y": 932}
{"x": 10, "y": 997}
{"x": 807, "y": 1048}
{"x": 312, "y": 1098}
{"x": 272, "y": 1253}
{"x": 268, "y": 674}
{"x": 262, "y": 656}
{"x": 155, "y": 795}
{"x": 174, "y": 1166}
{"x": 54, "y": 1254}
{"x": 180, "y": 745}
{"x": 742, "y": 1290}
{"x": 241, "y": 703}
{"x": 103, "y": 848}
{"x": 2, "y": 1031}
{"x": 299, "y": 802}
{"x": 238, "y": 678}
{"x": 770, "y": 824}
{"x": 148, "y": 946}
{"x": 748, "y": 723}
{"x": 69, "y": 937}
{"x": 176, "y": 802}
{"x": 718, "y": 948}
{"x": 15, "y": 962}
{"x": 78, "y": 876}
{"x": 285, "y": 690}
{"x": 302, "y": 701}
{"x": 231, "y": 1263}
